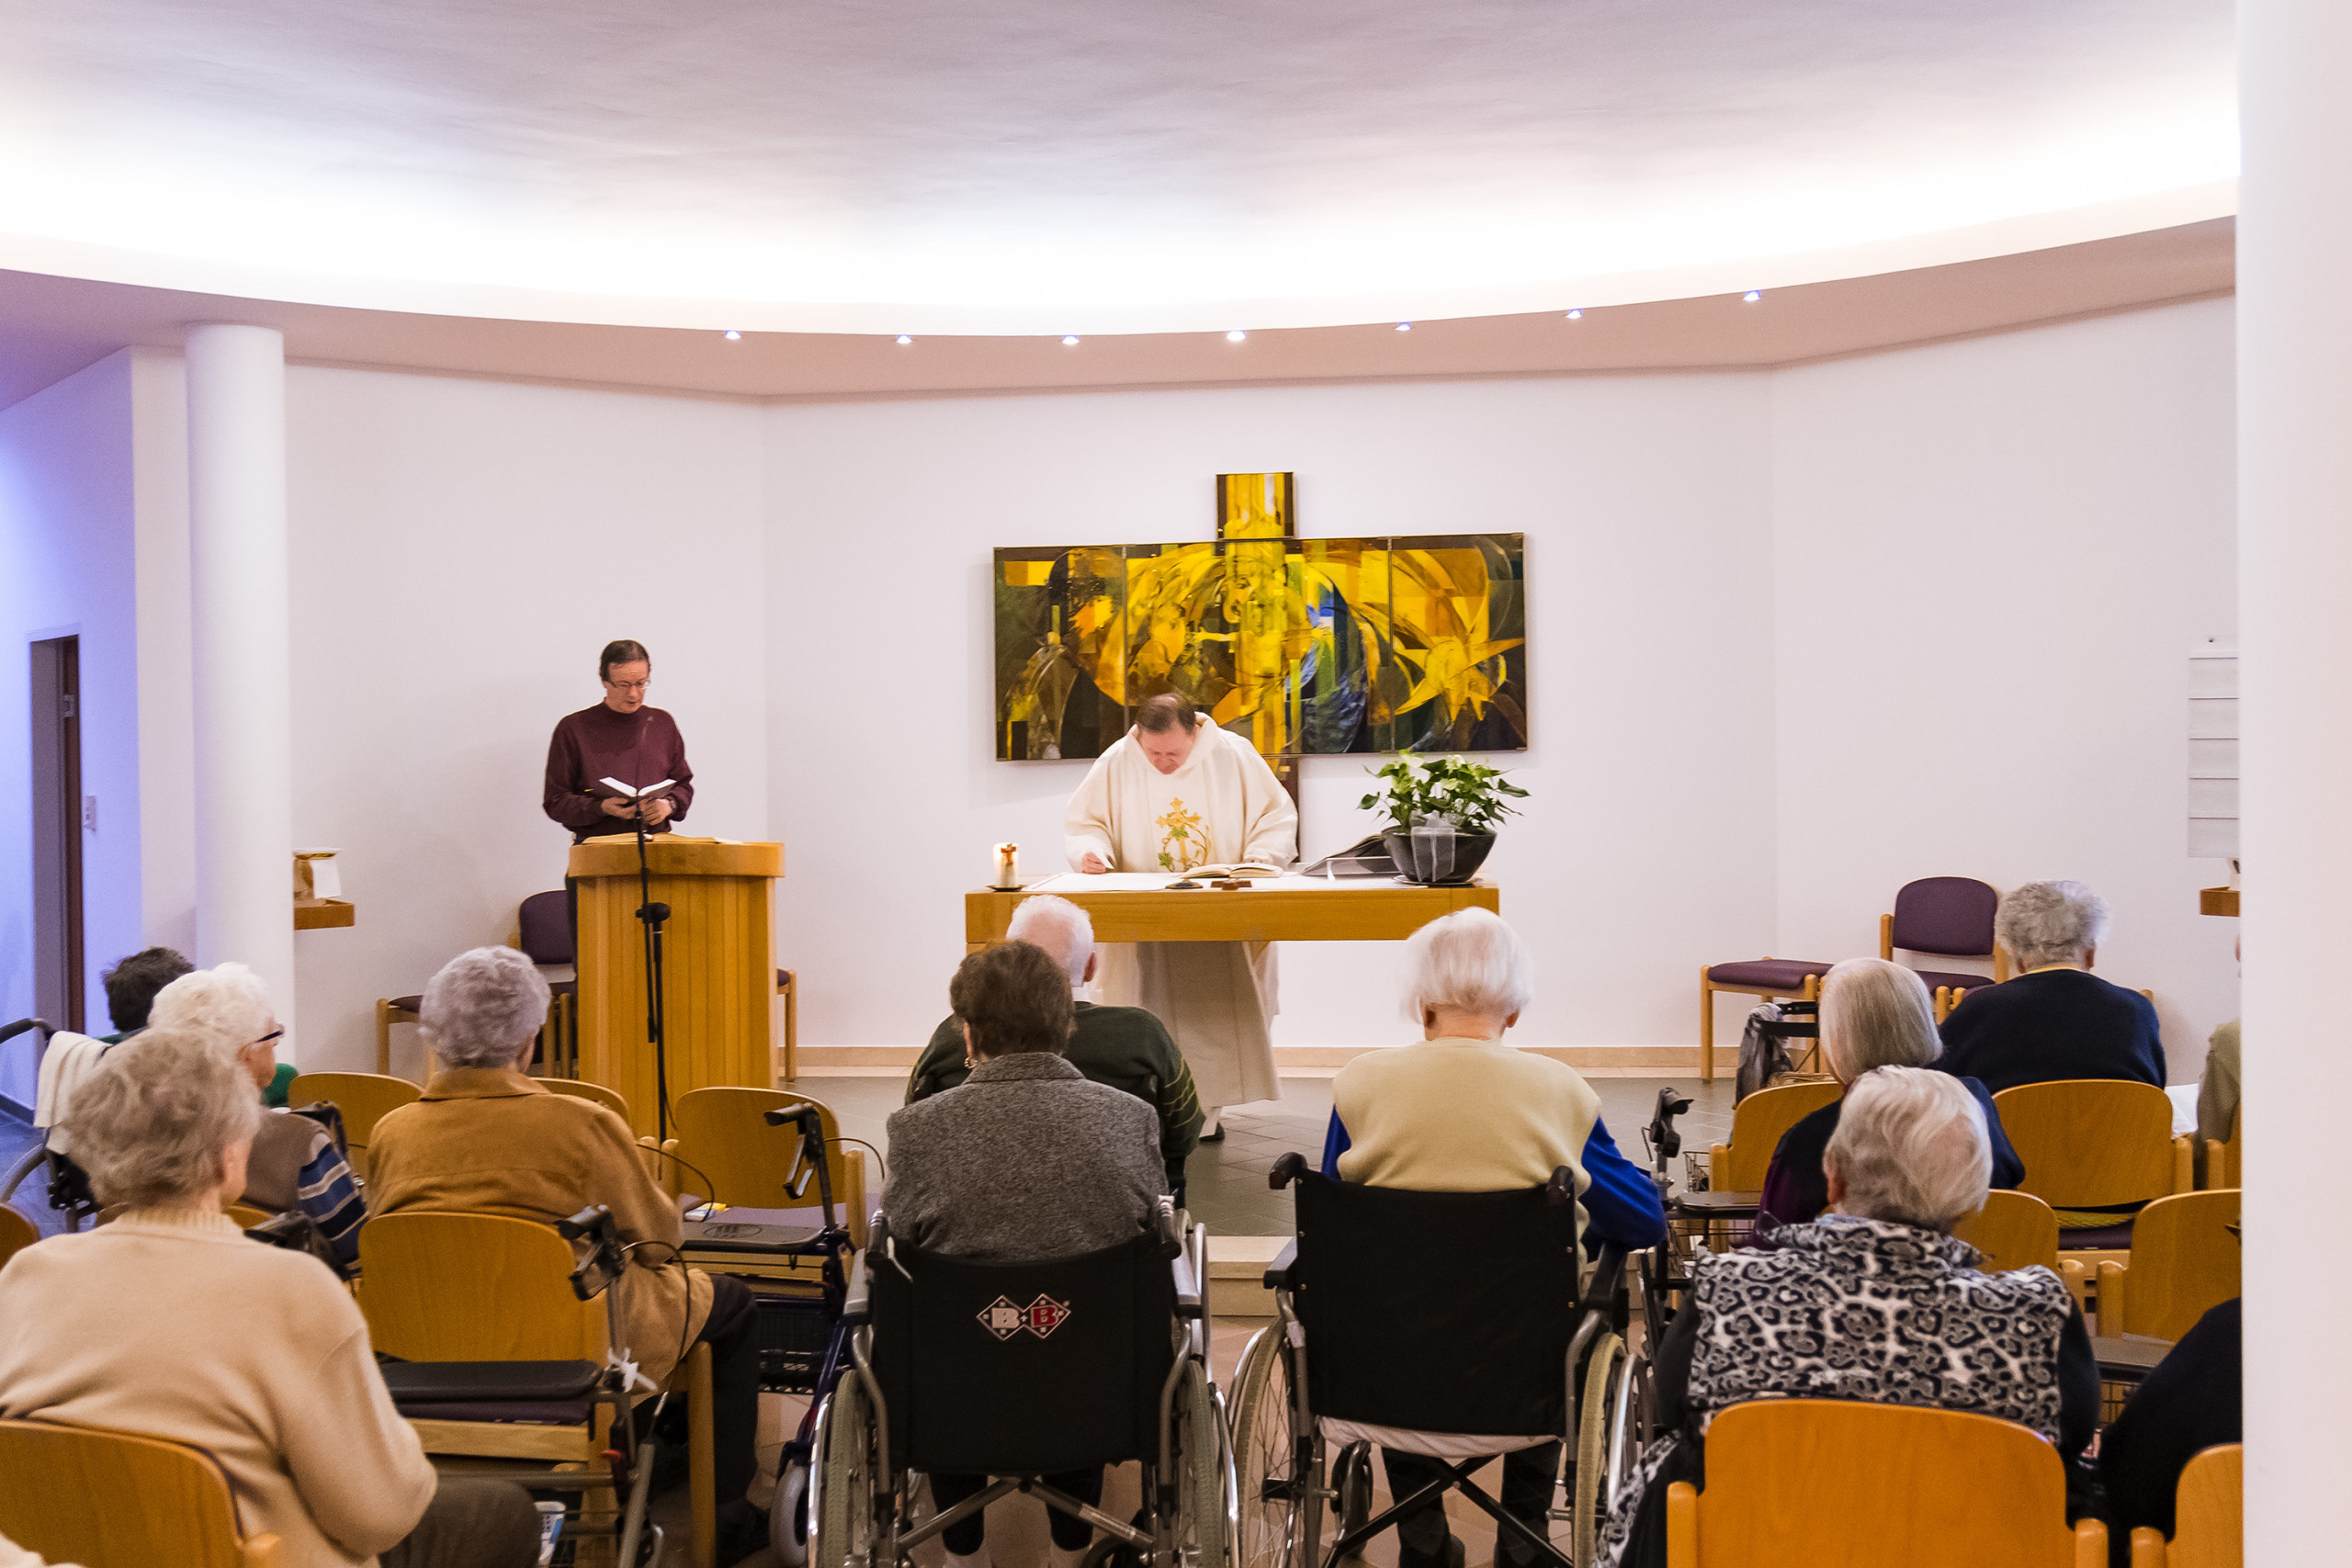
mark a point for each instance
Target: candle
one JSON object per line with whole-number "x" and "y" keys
{"x": 1008, "y": 860}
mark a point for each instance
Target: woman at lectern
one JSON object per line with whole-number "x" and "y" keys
{"x": 622, "y": 738}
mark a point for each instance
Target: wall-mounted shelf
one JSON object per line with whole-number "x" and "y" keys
{"x": 318, "y": 914}
{"x": 2217, "y": 901}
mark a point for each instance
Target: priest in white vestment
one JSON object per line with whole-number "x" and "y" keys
{"x": 1175, "y": 794}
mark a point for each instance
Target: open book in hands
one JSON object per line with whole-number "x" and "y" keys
{"x": 617, "y": 790}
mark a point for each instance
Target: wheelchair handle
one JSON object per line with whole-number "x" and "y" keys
{"x": 1562, "y": 1188}
{"x": 10, "y": 1031}
{"x": 1287, "y": 1169}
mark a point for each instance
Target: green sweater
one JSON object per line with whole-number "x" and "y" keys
{"x": 1127, "y": 1048}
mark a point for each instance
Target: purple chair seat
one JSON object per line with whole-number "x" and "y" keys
{"x": 1766, "y": 974}
{"x": 2103, "y": 1238}
{"x": 410, "y": 1004}
{"x": 515, "y": 1411}
{"x": 1933, "y": 978}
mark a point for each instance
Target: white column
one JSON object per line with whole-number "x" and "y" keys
{"x": 244, "y": 805}
{"x": 2295, "y": 615}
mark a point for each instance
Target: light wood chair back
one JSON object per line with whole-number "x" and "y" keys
{"x": 365, "y": 1098}
{"x": 2184, "y": 1262}
{"x": 580, "y": 1088}
{"x": 1946, "y": 1489}
{"x": 2014, "y": 1230}
{"x": 17, "y": 1233}
{"x": 723, "y": 1143}
{"x": 437, "y": 1287}
{"x": 245, "y": 1214}
{"x": 106, "y": 1499}
{"x": 2220, "y": 1159}
{"x": 2094, "y": 1142}
{"x": 2209, "y": 1515}
{"x": 1756, "y": 1129}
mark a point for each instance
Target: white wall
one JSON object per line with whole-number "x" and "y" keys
{"x": 1993, "y": 558}
{"x": 66, "y": 541}
{"x": 461, "y": 551}
{"x": 1646, "y": 846}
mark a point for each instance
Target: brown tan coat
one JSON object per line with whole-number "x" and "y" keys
{"x": 490, "y": 1141}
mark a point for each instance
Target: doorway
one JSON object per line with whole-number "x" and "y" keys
{"x": 58, "y": 982}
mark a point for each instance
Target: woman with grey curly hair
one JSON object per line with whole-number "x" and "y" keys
{"x": 487, "y": 1138}
{"x": 170, "y": 1323}
{"x": 2056, "y": 1019}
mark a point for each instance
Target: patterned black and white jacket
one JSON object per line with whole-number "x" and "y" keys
{"x": 1866, "y": 1310}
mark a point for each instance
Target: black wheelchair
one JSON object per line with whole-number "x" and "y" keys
{"x": 1019, "y": 1372}
{"x": 1403, "y": 1317}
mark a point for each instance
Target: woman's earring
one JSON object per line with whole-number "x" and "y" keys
{"x": 970, "y": 1064}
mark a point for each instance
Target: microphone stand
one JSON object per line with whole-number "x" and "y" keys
{"x": 652, "y": 916}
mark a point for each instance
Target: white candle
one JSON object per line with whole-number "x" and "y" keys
{"x": 1008, "y": 864}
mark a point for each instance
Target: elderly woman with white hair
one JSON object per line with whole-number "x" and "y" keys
{"x": 1461, "y": 1111}
{"x": 1873, "y": 1014}
{"x": 1875, "y": 1302}
{"x": 169, "y": 1322}
{"x": 295, "y": 1162}
{"x": 2056, "y": 1019}
{"x": 487, "y": 1138}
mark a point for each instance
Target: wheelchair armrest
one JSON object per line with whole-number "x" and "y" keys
{"x": 1287, "y": 1169}
{"x": 1607, "y": 1279}
{"x": 1282, "y": 1274}
{"x": 857, "y": 1306}
{"x": 1188, "y": 1289}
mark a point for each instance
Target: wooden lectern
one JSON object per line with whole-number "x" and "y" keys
{"x": 719, "y": 960}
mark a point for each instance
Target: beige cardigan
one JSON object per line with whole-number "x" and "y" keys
{"x": 489, "y": 1141}
{"x": 1462, "y": 1116}
{"x": 170, "y": 1323}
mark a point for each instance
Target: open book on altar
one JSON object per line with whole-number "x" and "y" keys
{"x": 1247, "y": 868}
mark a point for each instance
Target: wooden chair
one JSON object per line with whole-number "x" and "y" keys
{"x": 724, "y": 1144}
{"x": 580, "y": 1088}
{"x": 1756, "y": 1129}
{"x": 17, "y": 1233}
{"x": 2091, "y": 1143}
{"x": 2014, "y": 1230}
{"x": 106, "y": 1499}
{"x": 365, "y": 1098}
{"x": 1773, "y": 979}
{"x": 2221, "y": 1167}
{"x": 1945, "y": 1490}
{"x": 390, "y": 1010}
{"x": 443, "y": 1287}
{"x": 2209, "y": 1515}
{"x": 1945, "y": 917}
{"x": 245, "y": 1214}
{"x": 2183, "y": 1263}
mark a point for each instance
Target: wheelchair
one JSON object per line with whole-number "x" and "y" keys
{"x": 1369, "y": 1347}
{"x": 1019, "y": 1372}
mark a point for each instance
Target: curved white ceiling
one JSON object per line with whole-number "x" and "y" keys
{"x": 1085, "y": 165}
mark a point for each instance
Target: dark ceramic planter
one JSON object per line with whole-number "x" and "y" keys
{"x": 1470, "y": 852}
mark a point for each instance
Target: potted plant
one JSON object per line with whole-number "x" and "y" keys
{"x": 1423, "y": 790}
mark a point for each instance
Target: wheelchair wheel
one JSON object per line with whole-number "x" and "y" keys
{"x": 1199, "y": 1525}
{"x": 1604, "y": 1375}
{"x": 787, "y": 1516}
{"x": 1274, "y": 1497}
{"x": 1351, "y": 1487}
{"x": 849, "y": 1478}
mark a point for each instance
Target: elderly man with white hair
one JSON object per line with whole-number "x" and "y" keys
{"x": 1127, "y": 1048}
{"x": 295, "y": 1162}
{"x": 169, "y": 1322}
{"x": 1875, "y": 1302}
{"x": 2056, "y": 1019}
{"x": 1461, "y": 1111}
{"x": 485, "y": 1138}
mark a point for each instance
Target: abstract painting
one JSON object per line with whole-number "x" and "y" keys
{"x": 1306, "y": 646}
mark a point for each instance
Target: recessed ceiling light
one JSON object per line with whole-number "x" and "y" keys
{"x": 903, "y": 338}
{"x": 1236, "y": 335}
{"x": 1404, "y": 326}
{"x": 1070, "y": 341}
{"x": 1576, "y": 315}
{"x": 1753, "y": 294}
{"x": 734, "y": 336}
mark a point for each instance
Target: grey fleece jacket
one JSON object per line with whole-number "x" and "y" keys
{"x": 1025, "y": 1160}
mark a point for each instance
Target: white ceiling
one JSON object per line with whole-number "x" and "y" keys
{"x": 1085, "y": 165}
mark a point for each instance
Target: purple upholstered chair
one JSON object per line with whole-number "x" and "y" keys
{"x": 1944, "y": 917}
{"x": 544, "y": 936}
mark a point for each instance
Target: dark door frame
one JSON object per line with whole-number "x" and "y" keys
{"x": 60, "y": 979}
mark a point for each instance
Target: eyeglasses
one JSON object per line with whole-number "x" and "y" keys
{"x": 628, "y": 685}
{"x": 273, "y": 1035}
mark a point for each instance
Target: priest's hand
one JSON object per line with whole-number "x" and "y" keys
{"x": 621, "y": 808}
{"x": 657, "y": 812}
{"x": 1092, "y": 865}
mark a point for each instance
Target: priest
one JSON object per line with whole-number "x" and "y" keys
{"x": 1175, "y": 794}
